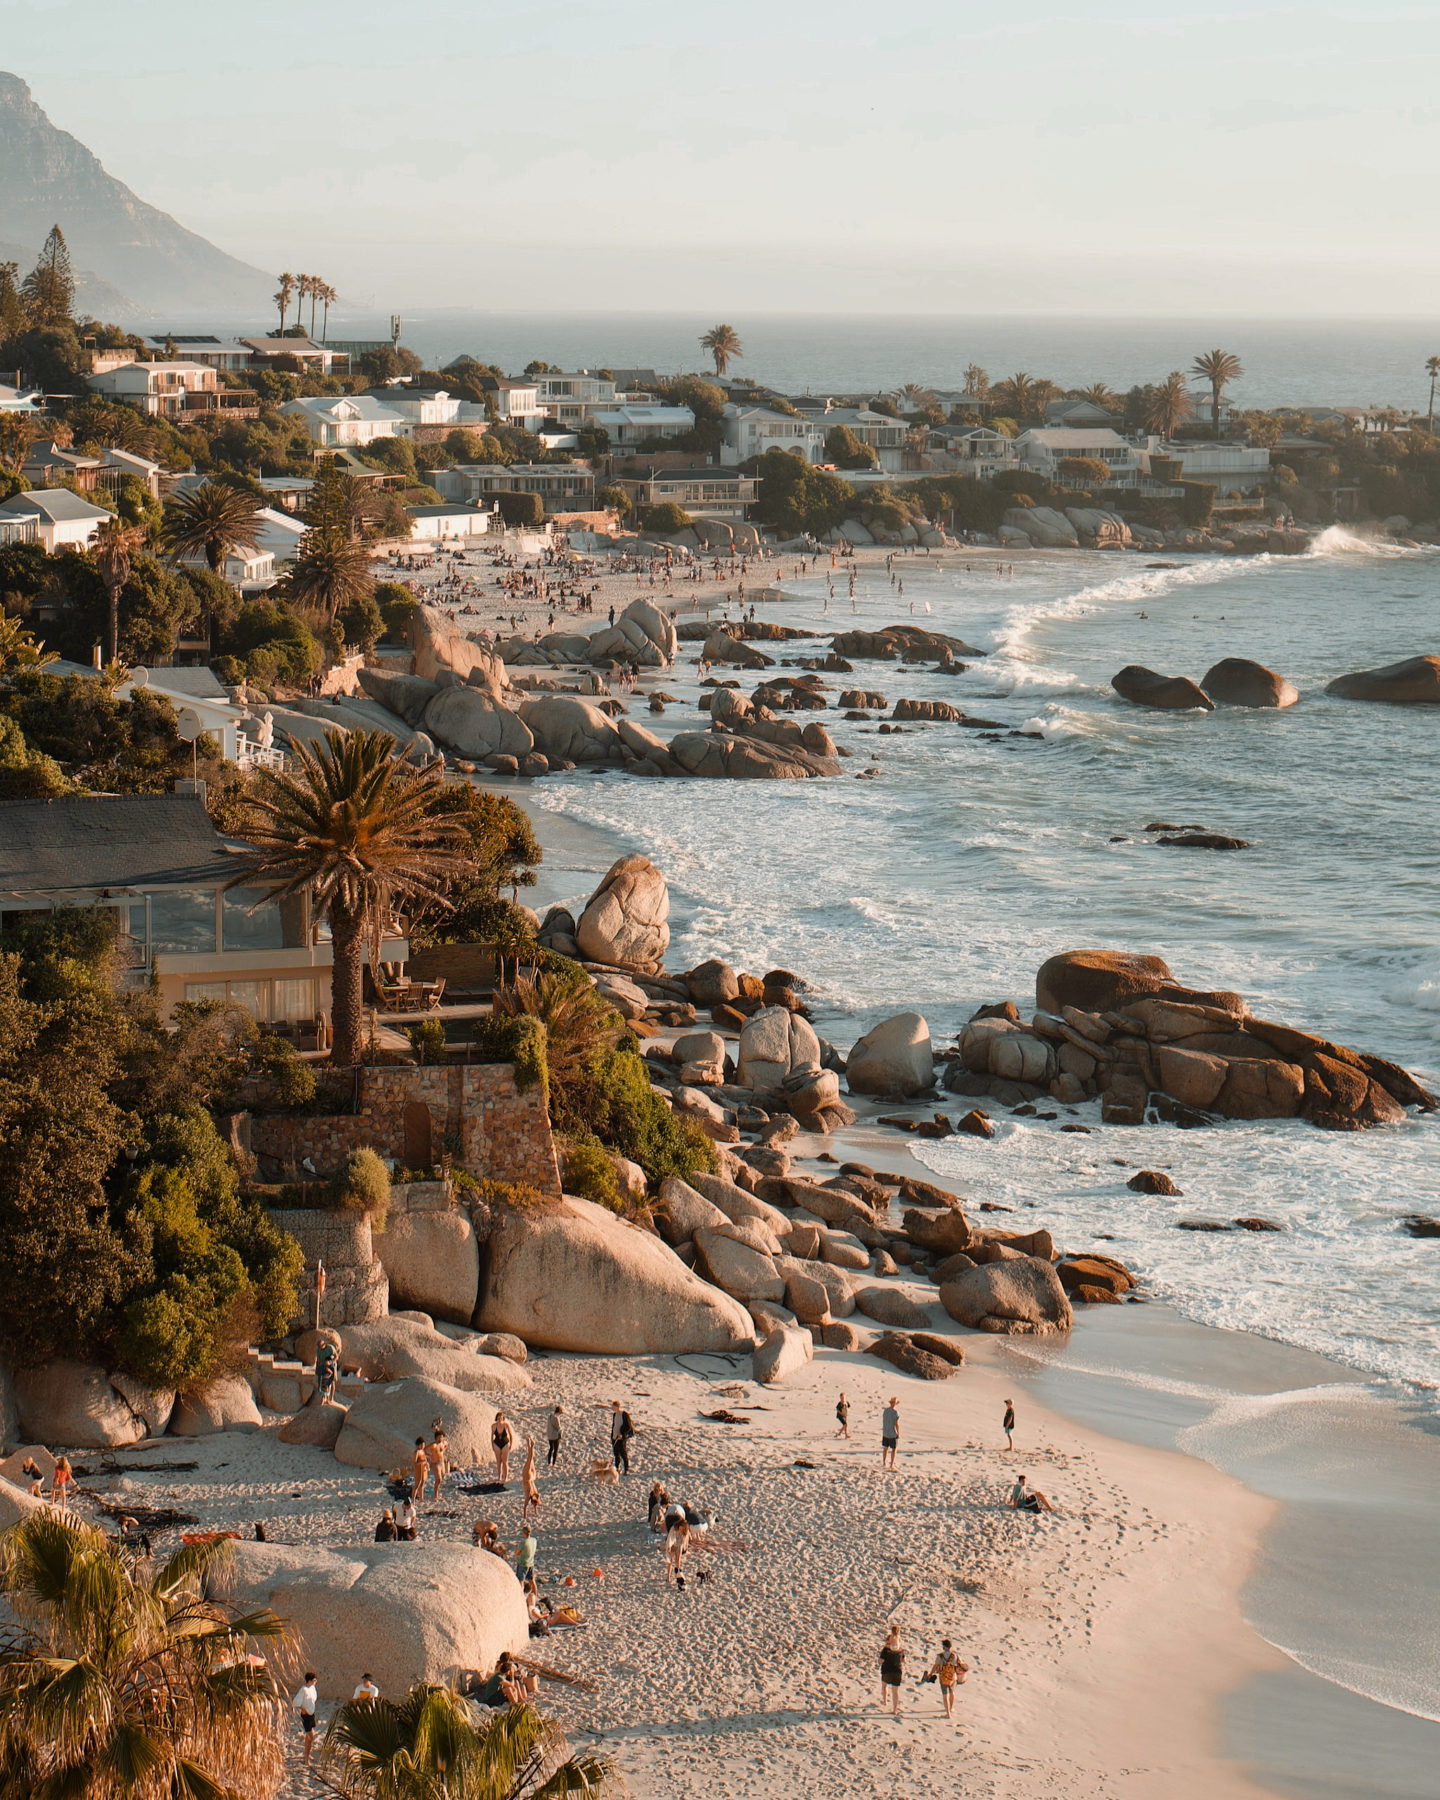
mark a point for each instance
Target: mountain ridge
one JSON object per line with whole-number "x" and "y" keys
{"x": 48, "y": 177}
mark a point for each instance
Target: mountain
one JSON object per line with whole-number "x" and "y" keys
{"x": 48, "y": 177}
{"x": 101, "y": 299}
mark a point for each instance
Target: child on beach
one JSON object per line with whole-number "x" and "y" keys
{"x": 948, "y": 1669}
{"x": 842, "y": 1413}
{"x": 892, "y": 1671}
{"x": 1007, "y": 1425}
{"x": 889, "y": 1433}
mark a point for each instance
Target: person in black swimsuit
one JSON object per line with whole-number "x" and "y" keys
{"x": 892, "y": 1671}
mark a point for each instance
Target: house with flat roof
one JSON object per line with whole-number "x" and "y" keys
{"x": 173, "y": 390}
{"x": 516, "y": 402}
{"x": 315, "y": 359}
{"x": 976, "y": 450}
{"x": 59, "y": 519}
{"x": 716, "y": 493}
{"x": 451, "y": 519}
{"x": 20, "y": 399}
{"x": 884, "y": 435}
{"x": 563, "y": 487}
{"x": 156, "y": 866}
{"x": 752, "y": 430}
{"x": 197, "y": 347}
{"x": 347, "y": 419}
{"x": 629, "y": 425}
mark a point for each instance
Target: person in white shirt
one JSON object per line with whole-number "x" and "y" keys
{"x": 367, "y": 1689}
{"x": 405, "y": 1520}
{"x": 307, "y": 1699}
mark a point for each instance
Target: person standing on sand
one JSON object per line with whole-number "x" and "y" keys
{"x": 622, "y": 1429}
{"x": 366, "y": 1690}
{"x": 437, "y": 1455}
{"x": 501, "y": 1438}
{"x": 307, "y": 1699}
{"x": 527, "y": 1482}
{"x": 842, "y": 1413}
{"x": 889, "y": 1433}
{"x": 948, "y": 1670}
{"x": 892, "y": 1671}
{"x": 420, "y": 1471}
{"x": 553, "y": 1436}
{"x": 1007, "y": 1424}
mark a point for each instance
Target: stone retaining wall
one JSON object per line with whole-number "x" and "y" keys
{"x": 356, "y": 1288}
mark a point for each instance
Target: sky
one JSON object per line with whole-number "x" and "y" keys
{"x": 1256, "y": 159}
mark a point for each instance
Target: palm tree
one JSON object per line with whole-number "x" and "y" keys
{"x": 112, "y": 547}
{"x": 211, "y": 521}
{"x": 122, "y": 1682}
{"x": 19, "y": 647}
{"x": 433, "y": 1745}
{"x": 1170, "y": 405}
{"x": 331, "y": 571}
{"x": 1014, "y": 397}
{"x": 328, "y": 297}
{"x": 284, "y": 296}
{"x": 723, "y": 343}
{"x": 916, "y": 397}
{"x": 1098, "y": 394}
{"x": 1432, "y": 369}
{"x": 358, "y": 832}
{"x": 1219, "y": 368}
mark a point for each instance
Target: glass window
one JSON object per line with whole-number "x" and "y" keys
{"x": 294, "y": 1000}
{"x": 183, "y": 920}
{"x": 252, "y": 995}
{"x": 205, "y": 990}
{"x": 248, "y": 923}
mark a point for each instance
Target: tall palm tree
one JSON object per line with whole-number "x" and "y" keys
{"x": 331, "y": 571}
{"x": 914, "y": 396}
{"x": 211, "y": 521}
{"x": 358, "y": 832}
{"x": 112, "y": 547}
{"x": 284, "y": 295}
{"x": 1170, "y": 405}
{"x": 723, "y": 343}
{"x": 1098, "y": 394}
{"x": 1219, "y": 368}
{"x": 433, "y": 1745}
{"x": 1014, "y": 397}
{"x": 328, "y": 297}
{"x": 121, "y": 1683}
{"x": 1432, "y": 369}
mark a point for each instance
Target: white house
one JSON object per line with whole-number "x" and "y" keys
{"x": 350, "y": 419}
{"x": 419, "y": 406}
{"x": 752, "y": 430}
{"x": 980, "y": 452}
{"x": 315, "y": 359}
{"x": 1229, "y": 468}
{"x": 20, "y": 400}
{"x": 1045, "y": 448}
{"x": 126, "y": 462}
{"x": 574, "y": 398}
{"x": 453, "y": 520}
{"x": 515, "y": 402}
{"x": 197, "y": 347}
{"x": 61, "y": 520}
{"x": 884, "y": 435}
{"x": 629, "y": 425}
{"x": 258, "y": 566}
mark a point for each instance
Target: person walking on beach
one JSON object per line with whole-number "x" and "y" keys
{"x": 437, "y": 1454}
{"x": 553, "y": 1436}
{"x": 677, "y": 1542}
{"x": 948, "y": 1670}
{"x": 60, "y": 1483}
{"x": 1007, "y": 1424}
{"x": 842, "y": 1413}
{"x": 889, "y": 1433}
{"x": 892, "y": 1671}
{"x": 622, "y": 1429}
{"x": 501, "y": 1438}
{"x": 307, "y": 1699}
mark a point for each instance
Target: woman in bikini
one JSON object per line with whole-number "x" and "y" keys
{"x": 501, "y": 1438}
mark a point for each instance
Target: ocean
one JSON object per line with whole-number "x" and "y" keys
{"x": 947, "y": 881}
{"x": 1359, "y": 362}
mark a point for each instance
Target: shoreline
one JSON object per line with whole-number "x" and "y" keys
{"x": 1318, "y": 1567}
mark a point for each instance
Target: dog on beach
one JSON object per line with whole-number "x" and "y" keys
{"x": 604, "y": 1471}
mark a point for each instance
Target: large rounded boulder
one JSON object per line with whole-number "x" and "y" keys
{"x": 1018, "y": 1295}
{"x": 381, "y": 1426}
{"x": 1235, "y": 681}
{"x": 568, "y": 729}
{"x": 473, "y": 723}
{"x": 775, "y": 1044}
{"x": 433, "y": 1262}
{"x": 80, "y": 1406}
{"x": 406, "y": 1613}
{"x": 1414, "y": 682}
{"x": 442, "y": 649}
{"x": 1095, "y": 981}
{"x": 228, "y": 1404}
{"x": 395, "y": 1349}
{"x": 572, "y": 1276}
{"x": 1166, "y": 693}
{"x": 624, "y": 922}
{"x": 893, "y": 1059}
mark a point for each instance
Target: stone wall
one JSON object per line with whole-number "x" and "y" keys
{"x": 417, "y": 1115}
{"x": 356, "y": 1288}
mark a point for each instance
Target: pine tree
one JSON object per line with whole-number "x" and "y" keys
{"x": 12, "y": 307}
{"x": 50, "y": 286}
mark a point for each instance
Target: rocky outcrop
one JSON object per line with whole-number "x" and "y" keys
{"x": 1017, "y": 1295}
{"x": 81, "y": 1407}
{"x": 318, "y": 1424}
{"x": 624, "y": 921}
{"x": 715, "y": 755}
{"x": 575, "y": 1277}
{"x": 1148, "y": 1046}
{"x": 1414, "y": 682}
{"x": 433, "y": 1262}
{"x": 776, "y": 1043}
{"x": 226, "y": 1405}
{"x": 396, "y": 1349}
{"x": 1234, "y": 681}
{"x": 406, "y": 696}
{"x": 912, "y": 642}
{"x": 565, "y": 728}
{"x": 1166, "y": 693}
{"x": 783, "y": 1354}
{"x": 1098, "y": 529}
{"x": 903, "y": 1352}
{"x": 894, "y": 1058}
{"x": 441, "y": 648}
{"x": 473, "y": 723}
{"x": 1045, "y": 528}
{"x": 726, "y": 648}
{"x": 891, "y": 1306}
{"x": 382, "y": 1425}
{"x": 406, "y": 1613}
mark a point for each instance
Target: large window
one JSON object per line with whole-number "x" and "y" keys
{"x": 183, "y": 920}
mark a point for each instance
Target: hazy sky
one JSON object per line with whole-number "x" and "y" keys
{"x": 977, "y": 156}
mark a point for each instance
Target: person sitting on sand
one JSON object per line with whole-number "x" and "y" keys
{"x": 386, "y": 1532}
{"x": 1028, "y": 1499}
{"x": 510, "y": 1683}
{"x": 948, "y": 1670}
{"x": 659, "y": 1504}
{"x": 405, "y": 1521}
{"x": 892, "y": 1671}
{"x": 485, "y": 1534}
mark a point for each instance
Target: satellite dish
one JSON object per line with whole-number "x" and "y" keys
{"x": 190, "y": 728}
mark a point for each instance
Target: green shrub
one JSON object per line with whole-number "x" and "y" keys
{"x": 616, "y": 500}
{"x": 520, "y": 1040}
{"x": 363, "y": 1185}
{"x": 521, "y": 510}
{"x": 518, "y": 1195}
{"x": 287, "y": 1078}
{"x": 611, "y": 1099}
{"x": 1198, "y": 502}
{"x": 667, "y": 518}
{"x": 428, "y": 1037}
{"x": 590, "y": 1173}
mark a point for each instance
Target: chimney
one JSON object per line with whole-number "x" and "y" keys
{"x": 97, "y": 661}
{"x": 188, "y": 784}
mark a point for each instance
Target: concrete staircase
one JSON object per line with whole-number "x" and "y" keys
{"x": 285, "y": 1386}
